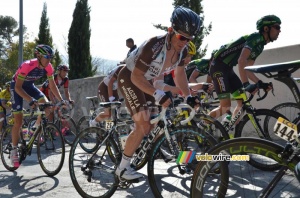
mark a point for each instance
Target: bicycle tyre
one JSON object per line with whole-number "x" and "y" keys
{"x": 243, "y": 129}
{"x": 6, "y": 147}
{"x": 52, "y": 141}
{"x": 189, "y": 139}
{"x": 290, "y": 110}
{"x": 83, "y": 123}
{"x": 257, "y": 146}
{"x": 211, "y": 126}
{"x": 89, "y": 177}
{"x": 68, "y": 128}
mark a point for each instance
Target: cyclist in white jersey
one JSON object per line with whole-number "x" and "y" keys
{"x": 156, "y": 55}
{"x": 107, "y": 92}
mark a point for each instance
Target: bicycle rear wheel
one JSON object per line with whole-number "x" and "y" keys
{"x": 6, "y": 147}
{"x": 68, "y": 129}
{"x": 51, "y": 149}
{"x": 240, "y": 179}
{"x": 290, "y": 110}
{"x": 170, "y": 178}
{"x": 92, "y": 173}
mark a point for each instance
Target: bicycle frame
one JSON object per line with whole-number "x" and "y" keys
{"x": 250, "y": 110}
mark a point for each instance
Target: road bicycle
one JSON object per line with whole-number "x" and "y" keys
{"x": 63, "y": 120}
{"x": 94, "y": 110}
{"x": 92, "y": 171}
{"x": 239, "y": 179}
{"x": 282, "y": 72}
{"x": 206, "y": 184}
{"x": 50, "y": 147}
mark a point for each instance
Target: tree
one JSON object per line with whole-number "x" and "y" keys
{"x": 80, "y": 60}
{"x": 8, "y": 29}
{"x": 44, "y": 36}
{"x": 9, "y": 66}
{"x": 194, "y": 5}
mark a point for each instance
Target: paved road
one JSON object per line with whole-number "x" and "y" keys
{"x": 30, "y": 181}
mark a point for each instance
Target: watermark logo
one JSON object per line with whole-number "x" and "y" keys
{"x": 186, "y": 157}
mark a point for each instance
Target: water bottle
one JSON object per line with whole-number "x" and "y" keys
{"x": 25, "y": 133}
{"x": 227, "y": 119}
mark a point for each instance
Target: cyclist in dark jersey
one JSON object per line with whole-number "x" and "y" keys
{"x": 242, "y": 52}
{"x": 60, "y": 79}
{"x": 22, "y": 87}
{"x": 156, "y": 55}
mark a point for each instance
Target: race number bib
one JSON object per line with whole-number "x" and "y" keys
{"x": 109, "y": 124}
{"x": 285, "y": 129}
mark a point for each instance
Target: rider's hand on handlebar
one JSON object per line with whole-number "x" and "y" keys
{"x": 192, "y": 101}
{"x": 251, "y": 88}
{"x": 162, "y": 98}
{"x": 264, "y": 86}
{"x": 33, "y": 103}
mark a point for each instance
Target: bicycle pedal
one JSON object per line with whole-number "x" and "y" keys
{"x": 125, "y": 184}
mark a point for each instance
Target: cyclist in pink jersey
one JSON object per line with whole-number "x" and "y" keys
{"x": 22, "y": 87}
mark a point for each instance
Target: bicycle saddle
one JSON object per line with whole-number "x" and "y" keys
{"x": 275, "y": 67}
{"x": 297, "y": 171}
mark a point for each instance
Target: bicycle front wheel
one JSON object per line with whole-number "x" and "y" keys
{"x": 92, "y": 173}
{"x": 83, "y": 123}
{"x": 238, "y": 178}
{"x": 172, "y": 177}
{"x": 68, "y": 129}
{"x": 51, "y": 149}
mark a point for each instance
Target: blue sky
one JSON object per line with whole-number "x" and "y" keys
{"x": 113, "y": 21}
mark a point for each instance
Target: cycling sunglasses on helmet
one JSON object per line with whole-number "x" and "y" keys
{"x": 277, "y": 27}
{"x": 182, "y": 37}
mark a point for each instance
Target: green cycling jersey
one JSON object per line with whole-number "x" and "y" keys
{"x": 230, "y": 53}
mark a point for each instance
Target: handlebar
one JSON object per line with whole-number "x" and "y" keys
{"x": 258, "y": 93}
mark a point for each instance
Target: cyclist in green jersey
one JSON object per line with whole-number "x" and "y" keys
{"x": 242, "y": 52}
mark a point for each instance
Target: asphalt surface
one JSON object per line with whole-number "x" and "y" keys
{"x": 30, "y": 181}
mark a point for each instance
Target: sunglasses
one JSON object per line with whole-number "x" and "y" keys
{"x": 182, "y": 37}
{"x": 277, "y": 27}
{"x": 47, "y": 56}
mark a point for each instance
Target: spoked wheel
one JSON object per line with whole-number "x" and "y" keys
{"x": 239, "y": 178}
{"x": 93, "y": 173}
{"x": 170, "y": 176}
{"x": 51, "y": 149}
{"x": 6, "y": 147}
{"x": 68, "y": 129}
{"x": 246, "y": 129}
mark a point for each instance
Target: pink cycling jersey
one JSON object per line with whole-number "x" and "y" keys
{"x": 29, "y": 71}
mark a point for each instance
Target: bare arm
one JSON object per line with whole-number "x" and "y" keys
{"x": 242, "y": 63}
{"x": 193, "y": 77}
{"x": 54, "y": 89}
{"x": 181, "y": 80}
{"x": 67, "y": 94}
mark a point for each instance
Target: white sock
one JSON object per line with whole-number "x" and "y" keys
{"x": 125, "y": 162}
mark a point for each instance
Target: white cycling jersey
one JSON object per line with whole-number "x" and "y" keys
{"x": 153, "y": 60}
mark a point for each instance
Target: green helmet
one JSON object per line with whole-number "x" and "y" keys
{"x": 267, "y": 21}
